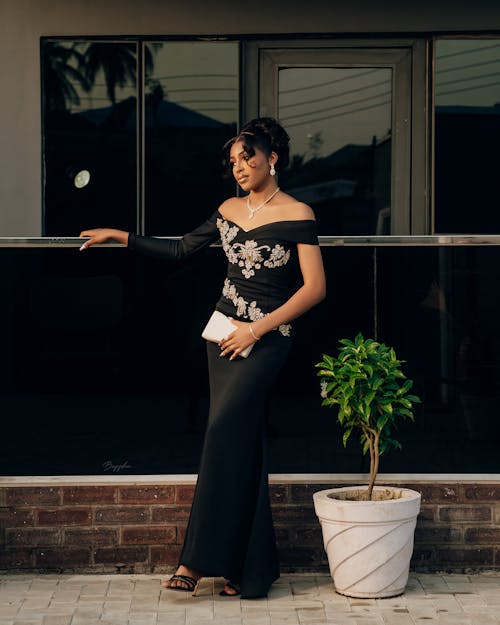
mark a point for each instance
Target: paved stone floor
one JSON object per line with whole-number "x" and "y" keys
{"x": 65, "y": 599}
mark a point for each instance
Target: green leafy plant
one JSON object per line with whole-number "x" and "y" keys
{"x": 365, "y": 380}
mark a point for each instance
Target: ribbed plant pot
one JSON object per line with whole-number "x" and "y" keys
{"x": 369, "y": 544}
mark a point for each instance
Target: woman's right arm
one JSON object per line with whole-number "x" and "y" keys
{"x": 102, "y": 235}
{"x": 170, "y": 249}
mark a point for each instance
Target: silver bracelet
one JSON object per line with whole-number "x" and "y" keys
{"x": 253, "y": 333}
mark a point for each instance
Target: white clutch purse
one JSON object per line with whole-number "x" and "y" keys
{"x": 219, "y": 327}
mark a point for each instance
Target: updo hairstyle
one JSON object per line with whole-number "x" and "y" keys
{"x": 266, "y": 134}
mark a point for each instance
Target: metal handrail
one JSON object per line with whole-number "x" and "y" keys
{"x": 325, "y": 241}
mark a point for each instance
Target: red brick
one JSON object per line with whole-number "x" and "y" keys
{"x": 120, "y": 555}
{"x": 121, "y": 514}
{"x": 292, "y": 515}
{"x": 282, "y": 534}
{"x": 482, "y": 535}
{"x": 16, "y": 558}
{"x": 427, "y": 514}
{"x": 496, "y": 514}
{"x": 184, "y": 493}
{"x": 426, "y": 534}
{"x": 483, "y": 492}
{"x": 168, "y": 555}
{"x": 436, "y": 493}
{"x": 170, "y": 514}
{"x": 64, "y": 516}
{"x": 278, "y": 493}
{"x": 308, "y": 536}
{"x": 91, "y": 536}
{"x": 12, "y": 517}
{"x": 181, "y": 533}
{"x": 33, "y": 496}
{"x": 303, "y": 557}
{"x": 61, "y": 558}
{"x": 465, "y": 514}
{"x": 304, "y": 492}
{"x": 88, "y": 494}
{"x": 32, "y": 537}
{"x": 149, "y": 535}
{"x": 147, "y": 494}
{"x": 422, "y": 556}
{"x": 3, "y": 501}
{"x": 465, "y": 557}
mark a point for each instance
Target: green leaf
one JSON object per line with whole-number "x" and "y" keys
{"x": 346, "y": 435}
{"x": 365, "y": 380}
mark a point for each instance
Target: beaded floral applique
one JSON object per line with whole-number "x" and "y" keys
{"x": 249, "y": 310}
{"x": 249, "y": 255}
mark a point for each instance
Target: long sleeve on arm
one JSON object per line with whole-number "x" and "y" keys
{"x": 177, "y": 249}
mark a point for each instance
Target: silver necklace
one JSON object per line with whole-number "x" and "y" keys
{"x": 252, "y": 211}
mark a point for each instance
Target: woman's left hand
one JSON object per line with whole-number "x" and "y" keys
{"x": 237, "y": 341}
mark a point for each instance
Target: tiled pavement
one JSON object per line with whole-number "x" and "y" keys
{"x": 65, "y": 599}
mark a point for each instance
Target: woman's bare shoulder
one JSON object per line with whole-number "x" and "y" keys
{"x": 230, "y": 207}
{"x": 296, "y": 209}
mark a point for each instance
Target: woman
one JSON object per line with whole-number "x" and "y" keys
{"x": 275, "y": 274}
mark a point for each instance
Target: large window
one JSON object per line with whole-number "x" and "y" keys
{"x": 347, "y": 110}
{"x": 340, "y": 123}
{"x": 91, "y": 369}
{"x": 133, "y": 131}
{"x": 467, "y": 136}
{"x": 90, "y": 135}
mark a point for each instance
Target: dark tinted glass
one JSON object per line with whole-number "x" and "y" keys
{"x": 339, "y": 121}
{"x": 101, "y": 372}
{"x": 191, "y": 111}
{"x": 89, "y": 98}
{"x": 467, "y": 136}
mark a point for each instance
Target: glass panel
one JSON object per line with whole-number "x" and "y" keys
{"x": 444, "y": 322}
{"x": 339, "y": 121}
{"x": 191, "y": 111}
{"x": 84, "y": 377}
{"x": 89, "y": 135}
{"x": 467, "y": 136}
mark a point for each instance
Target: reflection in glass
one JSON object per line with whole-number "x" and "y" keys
{"x": 339, "y": 121}
{"x": 66, "y": 316}
{"x": 89, "y": 124}
{"x": 191, "y": 111}
{"x": 467, "y": 136}
{"x": 444, "y": 320}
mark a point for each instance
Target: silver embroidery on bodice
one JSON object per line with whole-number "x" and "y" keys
{"x": 249, "y": 310}
{"x": 249, "y": 255}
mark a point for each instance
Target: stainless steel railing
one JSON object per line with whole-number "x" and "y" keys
{"x": 326, "y": 241}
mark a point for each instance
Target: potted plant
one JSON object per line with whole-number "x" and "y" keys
{"x": 368, "y": 530}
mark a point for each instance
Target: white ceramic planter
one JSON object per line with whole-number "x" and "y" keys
{"x": 369, "y": 544}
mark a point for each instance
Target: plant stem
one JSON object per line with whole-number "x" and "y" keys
{"x": 373, "y": 441}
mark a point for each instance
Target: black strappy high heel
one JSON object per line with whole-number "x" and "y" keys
{"x": 192, "y": 584}
{"x": 232, "y": 586}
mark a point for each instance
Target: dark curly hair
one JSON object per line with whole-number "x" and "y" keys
{"x": 265, "y": 133}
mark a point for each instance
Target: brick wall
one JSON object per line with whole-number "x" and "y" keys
{"x": 140, "y": 529}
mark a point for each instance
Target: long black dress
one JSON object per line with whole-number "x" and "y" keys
{"x": 230, "y": 530}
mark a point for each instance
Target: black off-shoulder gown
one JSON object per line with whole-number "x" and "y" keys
{"x": 230, "y": 531}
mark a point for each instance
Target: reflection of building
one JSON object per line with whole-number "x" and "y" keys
{"x": 430, "y": 174}
{"x": 347, "y": 189}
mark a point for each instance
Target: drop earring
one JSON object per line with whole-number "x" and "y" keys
{"x": 272, "y": 171}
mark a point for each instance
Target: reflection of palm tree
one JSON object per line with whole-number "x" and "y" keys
{"x": 60, "y": 76}
{"x": 118, "y": 63}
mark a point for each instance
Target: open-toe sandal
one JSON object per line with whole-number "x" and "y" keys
{"x": 232, "y": 586}
{"x": 190, "y": 584}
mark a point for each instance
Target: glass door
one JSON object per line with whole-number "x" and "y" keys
{"x": 348, "y": 114}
